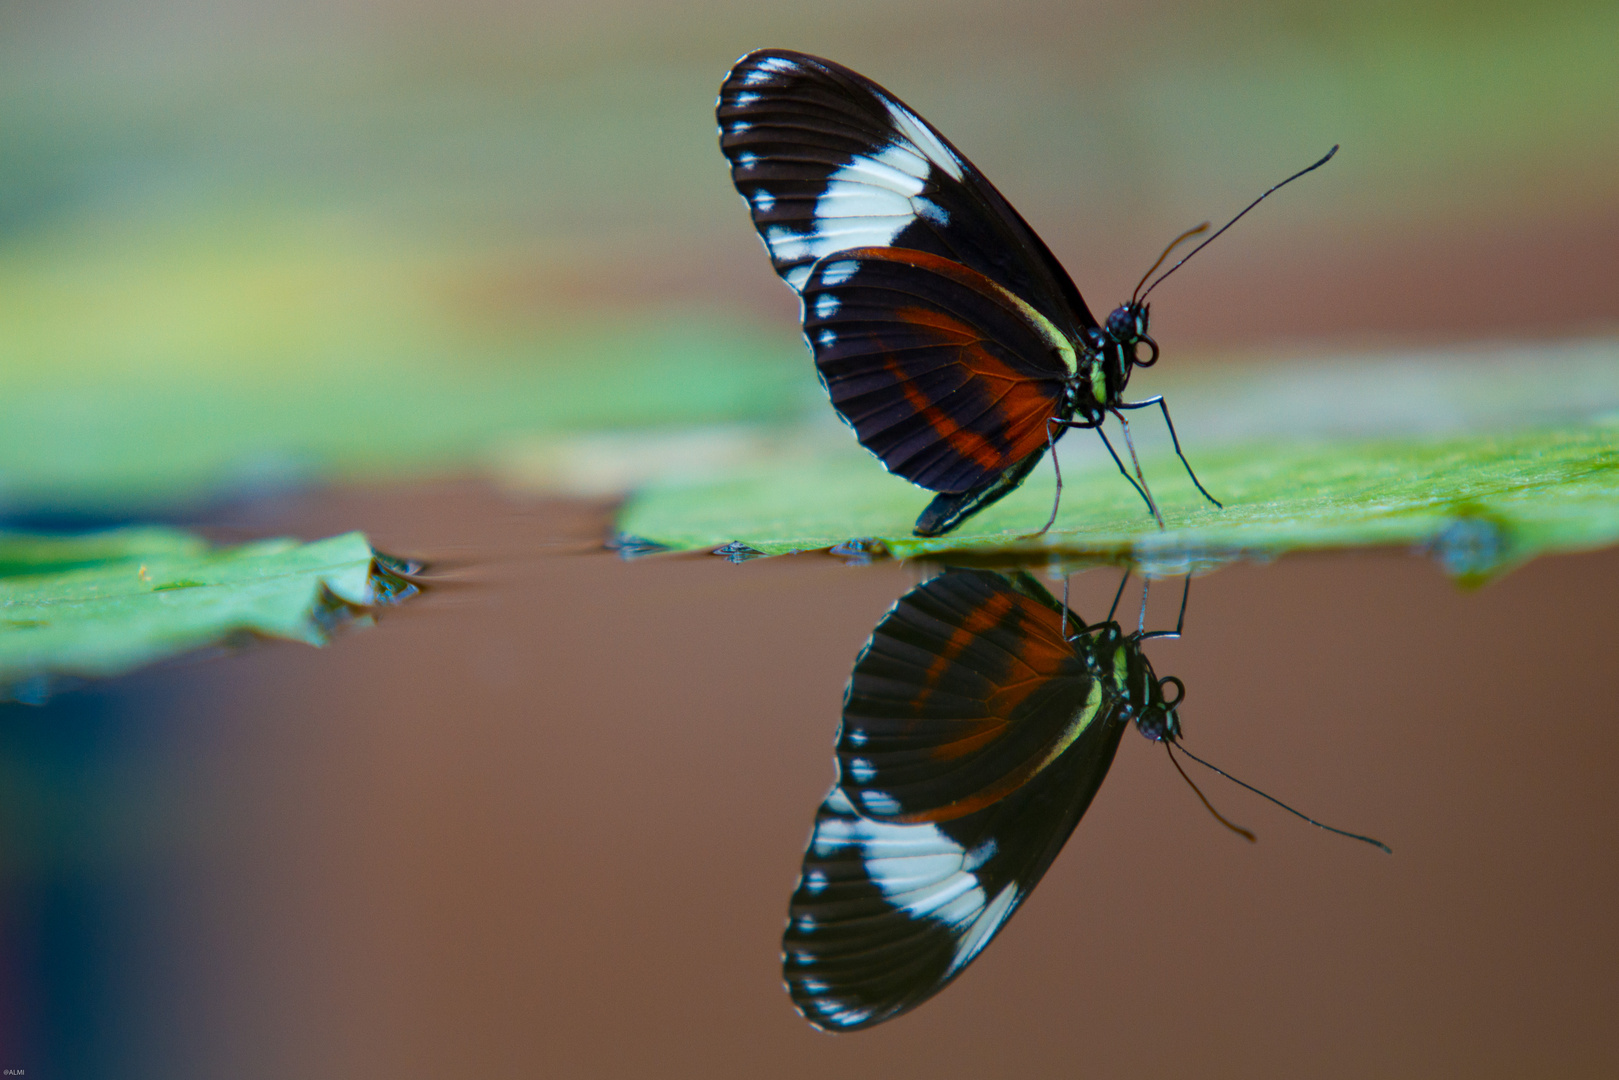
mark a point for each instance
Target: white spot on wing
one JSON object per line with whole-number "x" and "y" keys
{"x": 918, "y": 868}
{"x": 746, "y": 98}
{"x": 915, "y": 130}
{"x": 983, "y": 928}
{"x": 814, "y": 882}
{"x": 833, "y": 275}
{"x": 866, "y": 203}
{"x": 854, "y": 199}
{"x": 860, "y": 770}
{"x": 855, "y": 737}
{"x": 763, "y": 201}
{"x": 826, "y": 306}
{"x": 957, "y": 903}
{"x": 767, "y": 70}
{"x": 826, "y": 339}
{"x": 896, "y": 167}
{"x": 879, "y": 802}
{"x": 980, "y": 855}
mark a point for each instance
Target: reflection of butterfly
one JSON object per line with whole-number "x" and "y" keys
{"x": 979, "y": 723}
{"x": 947, "y": 334}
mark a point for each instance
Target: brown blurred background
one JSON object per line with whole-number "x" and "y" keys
{"x": 545, "y": 823}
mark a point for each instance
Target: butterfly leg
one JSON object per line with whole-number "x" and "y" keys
{"x": 1141, "y": 487}
{"x": 1164, "y": 407}
{"x": 1180, "y": 622}
{"x": 1051, "y": 446}
{"x": 1118, "y": 594}
{"x": 1082, "y": 627}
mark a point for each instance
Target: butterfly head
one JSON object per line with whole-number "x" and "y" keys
{"x": 1124, "y": 344}
{"x": 1127, "y": 329}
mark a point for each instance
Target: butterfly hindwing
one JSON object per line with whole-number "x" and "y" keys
{"x": 947, "y": 377}
{"x": 827, "y": 160}
{"x": 967, "y": 690}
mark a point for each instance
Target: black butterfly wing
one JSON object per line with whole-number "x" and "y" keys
{"x": 945, "y": 375}
{"x": 967, "y": 690}
{"x": 827, "y": 160}
{"x": 886, "y": 915}
{"x": 985, "y": 729}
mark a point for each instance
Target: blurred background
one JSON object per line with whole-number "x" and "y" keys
{"x": 305, "y": 267}
{"x": 238, "y": 242}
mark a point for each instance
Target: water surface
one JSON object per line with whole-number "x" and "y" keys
{"x": 546, "y": 820}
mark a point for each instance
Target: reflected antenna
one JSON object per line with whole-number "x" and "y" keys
{"x": 1283, "y": 805}
{"x": 1221, "y": 818}
{"x": 1228, "y": 225}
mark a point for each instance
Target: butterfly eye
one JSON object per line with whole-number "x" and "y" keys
{"x": 1152, "y": 352}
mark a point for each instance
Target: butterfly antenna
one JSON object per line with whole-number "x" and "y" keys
{"x": 1284, "y": 806}
{"x": 1221, "y": 818}
{"x": 1236, "y": 219}
{"x": 1173, "y": 244}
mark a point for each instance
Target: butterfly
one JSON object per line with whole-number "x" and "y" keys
{"x": 945, "y": 331}
{"x": 979, "y": 722}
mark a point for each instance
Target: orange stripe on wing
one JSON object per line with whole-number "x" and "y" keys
{"x": 975, "y": 625}
{"x": 1042, "y": 652}
{"x": 984, "y": 286}
{"x": 1021, "y": 407}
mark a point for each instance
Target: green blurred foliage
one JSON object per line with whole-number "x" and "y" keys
{"x": 253, "y": 244}
{"x": 290, "y": 357}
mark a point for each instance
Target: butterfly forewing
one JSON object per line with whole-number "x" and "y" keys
{"x": 827, "y": 160}
{"x": 885, "y": 915}
{"x": 965, "y": 692}
{"x": 944, "y": 375}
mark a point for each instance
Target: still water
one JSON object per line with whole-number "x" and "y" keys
{"x": 546, "y": 821}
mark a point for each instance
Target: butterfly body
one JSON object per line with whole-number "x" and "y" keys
{"x": 945, "y": 331}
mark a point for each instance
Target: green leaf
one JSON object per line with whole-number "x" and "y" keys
{"x": 107, "y": 603}
{"x": 1483, "y": 500}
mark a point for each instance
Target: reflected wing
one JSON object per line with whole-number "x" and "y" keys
{"x": 827, "y": 160}
{"x": 966, "y": 691}
{"x": 886, "y": 915}
{"x": 943, "y": 374}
